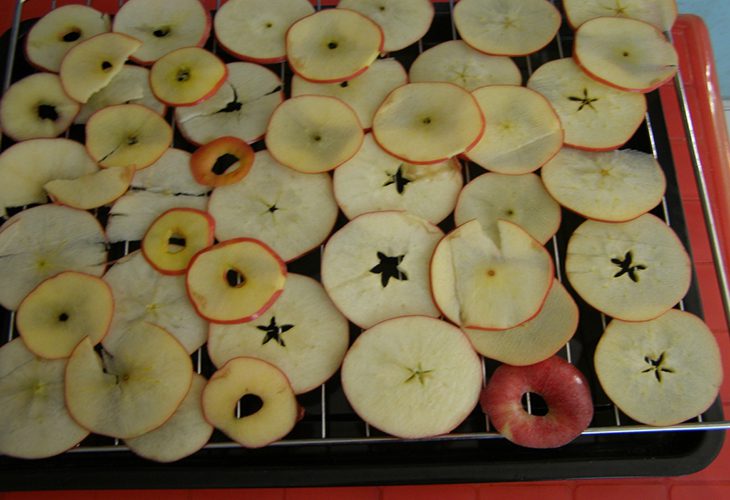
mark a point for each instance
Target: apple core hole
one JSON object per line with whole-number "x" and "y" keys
{"x": 106, "y": 65}
{"x": 235, "y": 278}
{"x": 534, "y": 404}
{"x": 491, "y": 272}
{"x": 388, "y": 268}
{"x": 273, "y": 208}
{"x": 248, "y": 405}
{"x": 183, "y": 75}
{"x": 132, "y": 140}
{"x": 381, "y": 8}
{"x": 162, "y": 32}
{"x": 344, "y": 85}
{"x": 509, "y": 212}
{"x": 316, "y": 138}
{"x": 223, "y": 163}
{"x": 269, "y": 25}
{"x": 47, "y": 112}
{"x": 72, "y": 35}
{"x": 176, "y": 243}
{"x": 63, "y": 317}
{"x": 332, "y": 45}
{"x": 625, "y": 54}
{"x": 426, "y": 121}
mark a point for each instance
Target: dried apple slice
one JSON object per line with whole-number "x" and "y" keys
{"x": 91, "y": 190}
{"x": 222, "y": 161}
{"x": 175, "y": 236}
{"x": 187, "y": 76}
{"x": 660, "y": 13}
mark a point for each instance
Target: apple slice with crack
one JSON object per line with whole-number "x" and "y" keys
{"x": 187, "y": 76}
{"x": 92, "y": 190}
{"x": 412, "y": 377}
{"x": 490, "y": 284}
{"x": 632, "y": 271}
{"x": 222, "y": 161}
{"x": 303, "y": 334}
{"x": 175, "y": 236}
{"x": 37, "y": 423}
{"x": 660, "y": 13}
{"x": 131, "y": 390}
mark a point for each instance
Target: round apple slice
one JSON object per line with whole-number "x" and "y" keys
{"x": 127, "y": 134}
{"x": 632, "y": 271}
{"x": 612, "y": 186}
{"x": 290, "y": 211}
{"x": 59, "y": 31}
{"x": 183, "y": 434}
{"x": 91, "y": 190}
{"x": 373, "y": 180}
{"x": 507, "y": 28}
{"x": 428, "y": 122}
{"x": 255, "y": 30}
{"x": 456, "y": 62}
{"x": 42, "y": 241}
{"x": 36, "y": 421}
{"x": 163, "y": 26}
{"x": 376, "y": 267}
{"x": 235, "y": 281}
{"x": 175, "y": 236}
{"x": 660, "y": 372}
{"x": 625, "y": 53}
{"x": 62, "y": 310}
{"x": 302, "y": 334}
{"x": 660, "y": 13}
{"x": 187, "y": 76}
{"x": 36, "y": 107}
{"x": 313, "y": 134}
{"x": 333, "y": 45}
{"x": 594, "y": 116}
{"x": 412, "y": 377}
{"x": 222, "y": 161}
{"x": 521, "y": 199}
{"x": 522, "y": 133}
{"x": 490, "y": 284}
{"x": 364, "y": 93}
{"x": 131, "y": 390}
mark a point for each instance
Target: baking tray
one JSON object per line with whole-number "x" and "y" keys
{"x": 332, "y": 446}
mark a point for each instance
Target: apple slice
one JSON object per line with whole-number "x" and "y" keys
{"x": 333, "y": 45}
{"x": 313, "y": 134}
{"x": 36, "y": 107}
{"x": 403, "y": 23}
{"x": 376, "y": 267}
{"x": 373, "y": 180}
{"x": 455, "y": 62}
{"x": 250, "y": 381}
{"x": 241, "y": 108}
{"x": 255, "y": 30}
{"x": 163, "y": 26}
{"x": 507, "y": 28}
{"x": 61, "y": 29}
{"x": 91, "y": 190}
{"x": 490, "y": 284}
{"x": 187, "y": 76}
{"x": 175, "y": 236}
{"x": 625, "y": 53}
{"x": 127, "y": 135}
{"x": 521, "y": 199}
{"x": 91, "y": 65}
{"x": 363, "y": 93}
{"x": 290, "y": 211}
{"x": 660, "y": 372}
{"x": 660, "y": 13}
{"x": 429, "y": 122}
{"x": 62, "y": 310}
{"x": 594, "y": 116}
{"x": 302, "y": 334}
{"x": 523, "y": 130}
{"x": 36, "y": 421}
{"x": 131, "y": 390}
{"x": 42, "y": 241}
{"x": 612, "y": 186}
{"x": 412, "y": 377}
{"x": 170, "y": 174}
{"x": 235, "y": 281}
{"x": 632, "y": 271}
{"x": 222, "y": 161}
{"x": 183, "y": 434}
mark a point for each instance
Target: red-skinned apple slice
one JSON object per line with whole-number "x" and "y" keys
{"x": 187, "y": 76}
{"x": 412, "y": 377}
{"x": 91, "y": 190}
{"x": 175, "y": 236}
{"x": 429, "y": 122}
{"x": 222, "y": 161}
{"x": 660, "y": 13}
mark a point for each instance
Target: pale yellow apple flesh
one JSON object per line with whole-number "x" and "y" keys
{"x": 187, "y": 76}
{"x": 660, "y": 13}
{"x": 91, "y": 190}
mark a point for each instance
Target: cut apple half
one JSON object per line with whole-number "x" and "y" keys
{"x": 187, "y": 76}
{"x": 594, "y": 116}
{"x": 490, "y": 284}
{"x": 92, "y": 190}
{"x": 633, "y": 271}
{"x": 456, "y": 62}
{"x": 429, "y": 122}
{"x": 313, "y": 134}
{"x": 175, "y": 237}
{"x": 507, "y": 28}
{"x": 612, "y": 186}
{"x": 412, "y": 377}
{"x": 222, "y": 161}
{"x": 660, "y": 13}
{"x": 625, "y": 53}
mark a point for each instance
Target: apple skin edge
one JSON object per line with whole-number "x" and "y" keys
{"x": 613, "y": 85}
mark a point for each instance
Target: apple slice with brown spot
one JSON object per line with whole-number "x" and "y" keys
{"x": 222, "y": 161}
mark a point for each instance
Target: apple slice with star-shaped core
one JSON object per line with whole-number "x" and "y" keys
{"x": 222, "y": 161}
{"x": 131, "y": 389}
{"x": 594, "y": 116}
{"x": 163, "y": 26}
{"x": 507, "y": 28}
{"x": 660, "y": 372}
{"x": 175, "y": 236}
{"x": 91, "y": 190}
{"x": 660, "y": 13}
{"x": 37, "y": 423}
{"x": 612, "y": 186}
{"x": 303, "y": 334}
{"x": 412, "y": 377}
{"x": 428, "y": 122}
{"x": 187, "y": 76}
{"x": 490, "y": 284}
{"x": 632, "y": 271}
{"x": 290, "y": 211}
{"x": 62, "y": 310}
{"x": 625, "y": 53}
{"x": 333, "y": 45}
{"x": 376, "y": 267}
